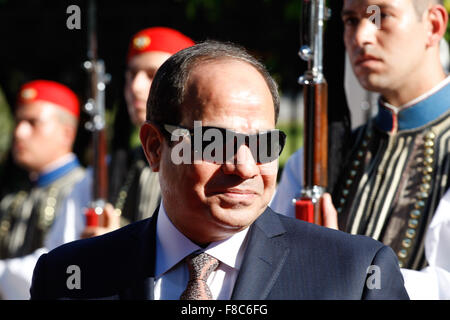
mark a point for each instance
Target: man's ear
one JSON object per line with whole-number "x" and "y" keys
{"x": 152, "y": 142}
{"x": 437, "y": 17}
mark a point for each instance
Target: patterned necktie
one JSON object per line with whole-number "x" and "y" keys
{"x": 200, "y": 267}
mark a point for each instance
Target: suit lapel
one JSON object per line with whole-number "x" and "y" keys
{"x": 264, "y": 258}
{"x": 143, "y": 288}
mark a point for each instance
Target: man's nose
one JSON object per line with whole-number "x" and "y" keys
{"x": 22, "y": 129}
{"x": 365, "y": 33}
{"x": 243, "y": 164}
{"x": 141, "y": 82}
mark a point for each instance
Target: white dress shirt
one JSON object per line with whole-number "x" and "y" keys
{"x": 171, "y": 271}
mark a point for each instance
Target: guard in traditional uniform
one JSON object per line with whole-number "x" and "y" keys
{"x": 397, "y": 169}
{"x": 396, "y": 175}
{"x": 46, "y": 117}
{"x": 134, "y": 190}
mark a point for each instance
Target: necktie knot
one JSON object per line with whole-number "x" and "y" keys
{"x": 200, "y": 268}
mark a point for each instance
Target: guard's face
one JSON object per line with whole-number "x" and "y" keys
{"x": 39, "y": 135}
{"x": 386, "y": 42}
{"x": 210, "y": 201}
{"x": 140, "y": 72}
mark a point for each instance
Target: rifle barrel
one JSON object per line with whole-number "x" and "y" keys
{"x": 315, "y": 97}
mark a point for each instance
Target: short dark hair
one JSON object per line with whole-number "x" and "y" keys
{"x": 168, "y": 87}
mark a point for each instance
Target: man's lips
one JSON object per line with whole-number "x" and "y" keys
{"x": 235, "y": 193}
{"x": 140, "y": 104}
{"x": 366, "y": 59}
{"x": 18, "y": 147}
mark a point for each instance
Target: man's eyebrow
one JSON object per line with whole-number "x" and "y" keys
{"x": 147, "y": 69}
{"x": 350, "y": 12}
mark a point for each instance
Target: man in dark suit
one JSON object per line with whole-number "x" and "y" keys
{"x": 210, "y": 133}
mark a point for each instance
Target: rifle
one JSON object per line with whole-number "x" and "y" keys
{"x": 95, "y": 107}
{"x": 315, "y": 97}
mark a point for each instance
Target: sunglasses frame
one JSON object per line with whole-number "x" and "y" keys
{"x": 170, "y": 130}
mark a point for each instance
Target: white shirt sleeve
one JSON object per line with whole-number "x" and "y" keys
{"x": 16, "y": 274}
{"x": 433, "y": 282}
{"x": 290, "y": 185}
{"x": 70, "y": 221}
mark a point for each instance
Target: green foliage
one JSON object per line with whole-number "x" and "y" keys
{"x": 447, "y": 6}
{"x": 294, "y": 139}
{"x": 6, "y": 125}
{"x": 211, "y": 7}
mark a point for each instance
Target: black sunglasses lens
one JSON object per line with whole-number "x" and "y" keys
{"x": 270, "y": 145}
{"x": 265, "y": 147}
{"x": 219, "y": 145}
{"x": 212, "y": 144}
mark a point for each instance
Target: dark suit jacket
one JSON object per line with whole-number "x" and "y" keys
{"x": 285, "y": 259}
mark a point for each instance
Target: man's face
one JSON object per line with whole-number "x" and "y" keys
{"x": 39, "y": 136}
{"x": 140, "y": 72}
{"x": 211, "y": 201}
{"x": 386, "y": 56}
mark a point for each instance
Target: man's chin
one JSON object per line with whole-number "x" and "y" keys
{"x": 236, "y": 218}
{"x": 137, "y": 115}
{"x": 372, "y": 83}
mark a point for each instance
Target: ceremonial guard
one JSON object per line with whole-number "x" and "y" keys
{"x": 134, "y": 190}
{"x": 397, "y": 168}
{"x": 134, "y": 187}
{"x": 46, "y": 119}
{"x": 396, "y": 174}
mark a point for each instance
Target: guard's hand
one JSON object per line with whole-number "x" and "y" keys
{"x": 329, "y": 212}
{"x": 108, "y": 221}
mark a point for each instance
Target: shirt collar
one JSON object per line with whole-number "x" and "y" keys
{"x": 172, "y": 246}
{"x": 416, "y": 113}
{"x": 58, "y": 169}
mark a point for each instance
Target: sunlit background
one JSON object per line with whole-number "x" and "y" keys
{"x": 37, "y": 44}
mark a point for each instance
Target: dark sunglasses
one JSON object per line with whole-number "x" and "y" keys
{"x": 220, "y": 145}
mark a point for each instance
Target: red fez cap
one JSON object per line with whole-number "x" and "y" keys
{"x": 50, "y": 91}
{"x": 158, "y": 39}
